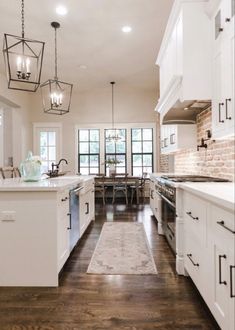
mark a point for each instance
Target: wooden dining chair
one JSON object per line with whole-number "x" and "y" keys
{"x": 100, "y": 186}
{"x": 9, "y": 172}
{"x": 138, "y": 189}
{"x": 120, "y": 185}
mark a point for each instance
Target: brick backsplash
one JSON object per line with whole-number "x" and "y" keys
{"x": 217, "y": 160}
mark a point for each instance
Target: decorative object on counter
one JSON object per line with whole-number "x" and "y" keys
{"x": 55, "y": 169}
{"x": 23, "y": 60}
{"x": 203, "y": 144}
{"x": 30, "y": 169}
{"x": 112, "y": 162}
{"x": 122, "y": 249}
{"x": 56, "y": 94}
{"x": 113, "y": 137}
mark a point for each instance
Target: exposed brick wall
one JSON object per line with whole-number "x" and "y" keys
{"x": 217, "y": 160}
{"x": 164, "y": 163}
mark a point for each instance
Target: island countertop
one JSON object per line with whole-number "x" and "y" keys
{"x": 45, "y": 184}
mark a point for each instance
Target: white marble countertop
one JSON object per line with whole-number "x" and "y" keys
{"x": 221, "y": 193}
{"x": 45, "y": 184}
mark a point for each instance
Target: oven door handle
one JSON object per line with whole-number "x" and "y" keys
{"x": 165, "y": 199}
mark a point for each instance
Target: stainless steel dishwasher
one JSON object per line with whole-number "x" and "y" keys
{"x": 74, "y": 226}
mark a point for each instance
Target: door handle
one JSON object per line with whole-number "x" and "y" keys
{"x": 87, "y": 208}
{"x": 190, "y": 258}
{"x": 70, "y": 221}
{"x": 232, "y": 295}
{"x": 190, "y": 214}
{"x": 220, "y": 105}
{"x": 226, "y": 109}
{"x": 220, "y": 271}
{"x": 221, "y": 223}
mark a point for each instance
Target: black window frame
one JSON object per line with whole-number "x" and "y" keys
{"x": 88, "y": 154}
{"x": 141, "y": 153}
{"x": 114, "y": 155}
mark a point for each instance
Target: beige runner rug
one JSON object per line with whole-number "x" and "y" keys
{"x": 122, "y": 249}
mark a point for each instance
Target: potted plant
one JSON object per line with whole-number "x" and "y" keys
{"x": 112, "y": 162}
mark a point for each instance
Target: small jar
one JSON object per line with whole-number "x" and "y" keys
{"x": 30, "y": 168}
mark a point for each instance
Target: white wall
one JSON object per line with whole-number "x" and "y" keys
{"x": 94, "y": 106}
{"x": 20, "y": 128}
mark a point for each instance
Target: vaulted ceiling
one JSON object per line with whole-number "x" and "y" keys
{"x": 92, "y": 49}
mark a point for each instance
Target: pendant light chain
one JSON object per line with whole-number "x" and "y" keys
{"x": 22, "y": 17}
{"x": 112, "y": 106}
{"x": 56, "y": 76}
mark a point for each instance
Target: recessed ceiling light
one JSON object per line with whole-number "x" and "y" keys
{"x": 61, "y": 10}
{"x": 126, "y": 29}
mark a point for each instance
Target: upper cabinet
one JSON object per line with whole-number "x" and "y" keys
{"x": 223, "y": 24}
{"x": 176, "y": 137}
{"x": 185, "y": 60}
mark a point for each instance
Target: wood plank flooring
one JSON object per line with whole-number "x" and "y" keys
{"x": 129, "y": 302}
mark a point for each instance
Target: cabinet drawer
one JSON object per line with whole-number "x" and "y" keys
{"x": 195, "y": 217}
{"x": 222, "y": 221}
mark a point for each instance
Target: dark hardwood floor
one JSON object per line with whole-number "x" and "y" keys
{"x": 163, "y": 301}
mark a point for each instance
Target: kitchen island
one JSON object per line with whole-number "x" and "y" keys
{"x": 35, "y": 227}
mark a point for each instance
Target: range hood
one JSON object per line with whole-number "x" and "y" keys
{"x": 173, "y": 108}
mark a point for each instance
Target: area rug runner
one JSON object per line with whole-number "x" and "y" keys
{"x": 122, "y": 249}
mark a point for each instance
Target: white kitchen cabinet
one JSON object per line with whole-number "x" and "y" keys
{"x": 62, "y": 228}
{"x": 152, "y": 194}
{"x": 176, "y": 137}
{"x": 222, "y": 240}
{"x": 223, "y": 112}
{"x": 209, "y": 256}
{"x": 185, "y": 56}
{"x": 86, "y": 204}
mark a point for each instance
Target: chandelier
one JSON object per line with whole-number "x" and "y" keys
{"x": 56, "y": 94}
{"x": 23, "y": 60}
{"x": 113, "y": 136}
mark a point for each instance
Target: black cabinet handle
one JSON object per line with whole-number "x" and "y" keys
{"x": 221, "y": 29}
{"x": 151, "y": 194}
{"x": 172, "y": 140}
{"x": 220, "y": 105}
{"x": 232, "y": 295}
{"x": 221, "y": 223}
{"x": 70, "y": 221}
{"x": 220, "y": 271}
{"x": 226, "y": 109}
{"x": 87, "y": 208}
{"x": 64, "y": 199}
{"x": 227, "y": 19}
{"x": 190, "y": 258}
{"x": 190, "y": 214}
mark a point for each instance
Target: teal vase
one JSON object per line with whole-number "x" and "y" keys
{"x": 30, "y": 169}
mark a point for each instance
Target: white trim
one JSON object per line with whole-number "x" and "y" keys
{"x": 1, "y": 138}
{"x": 127, "y": 126}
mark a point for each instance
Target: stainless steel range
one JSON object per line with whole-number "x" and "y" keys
{"x": 165, "y": 187}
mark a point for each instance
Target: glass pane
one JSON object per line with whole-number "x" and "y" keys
{"x": 94, "y": 170}
{"x": 147, "y": 134}
{"x": 108, "y": 132}
{"x": 137, "y": 171}
{"x": 137, "y": 160}
{"x": 43, "y": 153}
{"x": 83, "y": 135}
{"x": 94, "y": 147}
{"x": 52, "y": 155}
{"x": 94, "y": 160}
{"x": 44, "y": 167}
{"x": 52, "y": 141}
{"x": 84, "y": 170}
{"x": 147, "y": 160}
{"x": 121, "y": 147}
{"x": 83, "y": 147}
{"x": 43, "y": 139}
{"x": 136, "y": 134}
{"x": 122, "y": 159}
{"x": 110, "y": 147}
{"x": 120, "y": 170}
{"x": 147, "y": 146}
{"x": 94, "y": 135}
{"x": 122, "y": 133}
{"x": 136, "y": 147}
{"x": 84, "y": 160}
{"x": 148, "y": 170}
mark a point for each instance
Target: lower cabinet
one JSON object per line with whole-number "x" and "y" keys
{"x": 209, "y": 255}
{"x": 86, "y": 212}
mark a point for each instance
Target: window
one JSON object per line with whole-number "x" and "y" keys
{"x": 116, "y": 151}
{"x": 142, "y": 150}
{"x": 88, "y": 151}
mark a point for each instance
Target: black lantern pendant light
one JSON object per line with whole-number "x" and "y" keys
{"x": 23, "y": 60}
{"x": 113, "y": 137}
{"x": 56, "y": 94}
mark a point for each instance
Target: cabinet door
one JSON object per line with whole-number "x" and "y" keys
{"x": 84, "y": 210}
{"x": 91, "y": 206}
{"x": 63, "y": 232}
{"x": 152, "y": 192}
